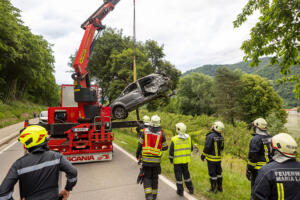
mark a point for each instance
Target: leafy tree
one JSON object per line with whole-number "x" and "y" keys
{"x": 227, "y": 88}
{"x": 275, "y": 123}
{"x": 195, "y": 94}
{"x": 258, "y": 99}
{"x": 277, "y": 34}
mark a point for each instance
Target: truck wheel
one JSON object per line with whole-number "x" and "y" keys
{"x": 120, "y": 112}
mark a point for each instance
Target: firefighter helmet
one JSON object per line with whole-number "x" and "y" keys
{"x": 155, "y": 121}
{"x": 146, "y": 120}
{"x": 33, "y": 135}
{"x": 180, "y": 128}
{"x": 285, "y": 144}
{"x": 260, "y": 123}
{"x": 218, "y": 126}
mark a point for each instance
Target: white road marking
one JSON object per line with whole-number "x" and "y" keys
{"x": 12, "y": 144}
{"x": 161, "y": 177}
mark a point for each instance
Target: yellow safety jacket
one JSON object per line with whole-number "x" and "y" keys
{"x": 182, "y": 150}
{"x": 152, "y": 145}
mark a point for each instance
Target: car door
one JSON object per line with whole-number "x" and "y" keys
{"x": 131, "y": 96}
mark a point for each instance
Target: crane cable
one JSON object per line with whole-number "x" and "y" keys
{"x": 134, "y": 44}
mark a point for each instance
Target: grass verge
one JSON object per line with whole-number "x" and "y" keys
{"x": 235, "y": 184}
{"x": 18, "y": 111}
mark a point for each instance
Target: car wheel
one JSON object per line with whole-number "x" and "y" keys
{"x": 120, "y": 112}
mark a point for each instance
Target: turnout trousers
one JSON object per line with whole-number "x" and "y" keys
{"x": 215, "y": 174}
{"x": 183, "y": 170}
{"x": 151, "y": 181}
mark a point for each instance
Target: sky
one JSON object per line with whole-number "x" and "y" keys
{"x": 193, "y": 32}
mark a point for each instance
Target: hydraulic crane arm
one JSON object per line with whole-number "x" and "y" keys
{"x": 92, "y": 24}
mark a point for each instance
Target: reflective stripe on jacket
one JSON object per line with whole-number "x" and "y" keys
{"x": 182, "y": 150}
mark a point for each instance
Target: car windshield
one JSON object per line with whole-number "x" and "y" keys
{"x": 130, "y": 88}
{"x": 44, "y": 114}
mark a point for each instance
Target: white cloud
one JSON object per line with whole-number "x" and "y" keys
{"x": 193, "y": 33}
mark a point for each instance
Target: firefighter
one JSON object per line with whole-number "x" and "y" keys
{"x": 180, "y": 154}
{"x": 259, "y": 150}
{"x": 279, "y": 179}
{"x": 145, "y": 124}
{"x": 214, "y": 145}
{"x": 38, "y": 170}
{"x": 150, "y": 146}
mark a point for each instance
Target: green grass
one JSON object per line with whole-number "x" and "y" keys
{"x": 18, "y": 111}
{"x": 235, "y": 184}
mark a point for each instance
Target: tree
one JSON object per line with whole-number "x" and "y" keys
{"x": 227, "y": 88}
{"x": 277, "y": 34}
{"x": 195, "y": 94}
{"x": 258, "y": 99}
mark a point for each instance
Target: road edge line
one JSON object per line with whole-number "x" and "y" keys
{"x": 8, "y": 138}
{"x": 12, "y": 144}
{"x": 161, "y": 177}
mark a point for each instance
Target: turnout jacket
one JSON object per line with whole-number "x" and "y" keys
{"x": 180, "y": 150}
{"x": 259, "y": 150}
{"x": 214, "y": 145}
{"x": 278, "y": 181}
{"x": 38, "y": 173}
{"x": 156, "y": 142}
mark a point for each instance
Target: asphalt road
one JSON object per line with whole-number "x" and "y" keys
{"x": 110, "y": 180}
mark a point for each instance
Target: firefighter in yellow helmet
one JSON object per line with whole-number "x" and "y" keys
{"x": 279, "y": 179}
{"x": 259, "y": 149}
{"x": 214, "y": 145}
{"x": 180, "y": 154}
{"x": 38, "y": 171}
{"x": 151, "y": 146}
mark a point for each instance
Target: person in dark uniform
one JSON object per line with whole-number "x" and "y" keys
{"x": 180, "y": 154}
{"x": 38, "y": 171}
{"x": 259, "y": 149}
{"x": 150, "y": 146}
{"x": 279, "y": 179}
{"x": 142, "y": 126}
{"x": 214, "y": 145}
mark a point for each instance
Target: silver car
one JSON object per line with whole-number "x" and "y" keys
{"x": 137, "y": 94}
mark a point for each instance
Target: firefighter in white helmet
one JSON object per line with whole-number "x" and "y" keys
{"x": 180, "y": 154}
{"x": 214, "y": 145}
{"x": 38, "y": 171}
{"x": 151, "y": 145}
{"x": 279, "y": 179}
{"x": 259, "y": 149}
{"x": 141, "y": 129}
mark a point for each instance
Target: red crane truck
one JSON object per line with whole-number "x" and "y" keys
{"x": 81, "y": 128}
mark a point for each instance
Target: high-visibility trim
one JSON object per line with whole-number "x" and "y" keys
{"x": 7, "y": 197}
{"x": 141, "y": 140}
{"x": 266, "y": 153}
{"x": 212, "y": 158}
{"x": 38, "y": 167}
{"x": 259, "y": 165}
{"x": 251, "y": 163}
{"x": 182, "y": 149}
{"x": 185, "y": 155}
{"x": 219, "y": 176}
{"x": 280, "y": 191}
{"x": 213, "y": 178}
{"x": 153, "y": 160}
{"x": 216, "y": 148}
{"x": 72, "y": 179}
{"x": 148, "y": 190}
{"x": 188, "y": 180}
{"x": 179, "y": 182}
{"x": 164, "y": 144}
{"x": 157, "y": 142}
{"x": 154, "y": 191}
{"x": 171, "y": 157}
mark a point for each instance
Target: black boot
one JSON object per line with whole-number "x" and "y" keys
{"x": 219, "y": 182}
{"x": 154, "y": 196}
{"x": 213, "y": 184}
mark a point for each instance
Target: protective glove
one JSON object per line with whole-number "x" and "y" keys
{"x": 140, "y": 178}
{"x": 202, "y": 157}
{"x": 249, "y": 173}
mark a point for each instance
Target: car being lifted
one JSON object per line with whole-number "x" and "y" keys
{"x": 139, "y": 93}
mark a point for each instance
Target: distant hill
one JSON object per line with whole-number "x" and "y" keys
{"x": 270, "y": 72}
